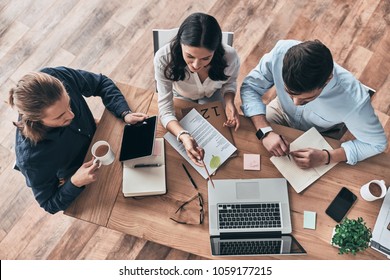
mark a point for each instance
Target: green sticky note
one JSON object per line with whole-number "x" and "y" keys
{"x": 309, "y": 219}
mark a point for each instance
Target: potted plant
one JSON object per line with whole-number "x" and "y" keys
{"x": 351, "y": 236}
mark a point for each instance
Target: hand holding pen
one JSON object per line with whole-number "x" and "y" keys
{"x": 287, "y": 147}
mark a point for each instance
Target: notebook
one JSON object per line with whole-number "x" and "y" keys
{"x": 299, "y": 178}
{"x": 250, "y": 217}
{"x": 143, "y": 159}
{"x": 381, "y": 234}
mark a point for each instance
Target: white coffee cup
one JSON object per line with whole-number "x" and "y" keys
{"x": 103, "y": 153}
{"x": 373, "y": 190}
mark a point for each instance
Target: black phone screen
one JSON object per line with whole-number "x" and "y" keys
{"x": 341, "y": 204}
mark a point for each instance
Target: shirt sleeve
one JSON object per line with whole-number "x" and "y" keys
{"x": 258, "y": 81}
{"x": 370, "y": 140}
{"x": 232, "y": 71}
{"x": 46, "y": 187}
{"x": 91, "y": 84}
{"x": 164, "y": 90}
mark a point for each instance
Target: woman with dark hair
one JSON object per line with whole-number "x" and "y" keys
{"x": 198, "y": 67}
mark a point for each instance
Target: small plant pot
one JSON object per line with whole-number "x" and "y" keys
{"x": 351, "y": 236}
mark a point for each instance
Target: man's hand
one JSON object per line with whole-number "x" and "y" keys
{"x": 307, "y": 158}
{"x": 133, "y": 118}
{"x": 275, "y": 145}
{"x": 86, "y": 174}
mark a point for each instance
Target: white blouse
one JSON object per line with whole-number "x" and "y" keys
{"x": 191, "y": 87}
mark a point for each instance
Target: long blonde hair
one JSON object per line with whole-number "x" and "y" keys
{"x": 33, "y": 94}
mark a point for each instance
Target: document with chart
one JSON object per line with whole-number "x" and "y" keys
{"x": 299, "y": 178}
{"x": 216, "y": 147}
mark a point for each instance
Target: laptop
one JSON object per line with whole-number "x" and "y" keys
{"x": 381, "y": 234}
{"x": 250, "y": 217}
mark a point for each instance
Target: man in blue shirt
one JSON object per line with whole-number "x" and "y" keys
{"x": 311, "y": 90}
{"x": 55, "y": 129}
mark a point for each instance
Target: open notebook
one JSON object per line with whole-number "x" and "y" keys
{"x": 299, "y": 178}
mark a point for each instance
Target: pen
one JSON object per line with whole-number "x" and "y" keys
{"x": 147, "y": 165}
{"x": 189, "y": 176}
{"x": 281, "y": 137}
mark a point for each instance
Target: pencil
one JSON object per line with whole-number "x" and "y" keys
{"x": 208, "y": 174}
{"x": 288, "y": 155}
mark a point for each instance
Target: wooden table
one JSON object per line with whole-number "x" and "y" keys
{"x": 103, "y": 202}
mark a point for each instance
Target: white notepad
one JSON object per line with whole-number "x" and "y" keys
{"x": 299, "y": 178}
{"x": 147, "y": 180}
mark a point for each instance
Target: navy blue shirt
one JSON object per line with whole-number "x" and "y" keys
{"x": 63, "y": 150}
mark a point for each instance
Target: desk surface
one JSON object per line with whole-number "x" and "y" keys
{"x": 103, "y": 202}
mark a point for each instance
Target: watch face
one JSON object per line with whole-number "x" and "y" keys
{"x": 259, "y": 134}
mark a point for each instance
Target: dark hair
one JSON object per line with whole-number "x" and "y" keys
{"x": 33, "y": 94}
{"x": 201, "y": 31}
{"x": 307, "y": 66}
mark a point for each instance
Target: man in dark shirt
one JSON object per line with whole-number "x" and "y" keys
{"x": 55, "y": 129}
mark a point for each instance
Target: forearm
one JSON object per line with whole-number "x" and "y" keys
{"x": 259, "y": 121}
{"x": 54, "y": 199}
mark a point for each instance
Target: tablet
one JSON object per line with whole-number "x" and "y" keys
{"x": 138, "y": 139}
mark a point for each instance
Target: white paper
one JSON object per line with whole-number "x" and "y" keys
{"x": 211, "y": 140}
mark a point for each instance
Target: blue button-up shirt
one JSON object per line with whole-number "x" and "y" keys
{"x": 62, "y": 151}
{"x": 343, "y": 100}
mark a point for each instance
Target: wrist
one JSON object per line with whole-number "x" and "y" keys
{"x": 124, "y": 114}
{"x": 263, "y": 132}
{"x": 180, "y": 134}
{"x": 327, "y": 156}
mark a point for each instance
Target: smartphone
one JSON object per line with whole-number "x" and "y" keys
{"x": 341, "y": 204}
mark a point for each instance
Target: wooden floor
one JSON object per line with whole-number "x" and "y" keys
{"x": 114, "y": 37}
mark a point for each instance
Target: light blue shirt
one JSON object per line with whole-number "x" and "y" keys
{"x": 343, "y": 100}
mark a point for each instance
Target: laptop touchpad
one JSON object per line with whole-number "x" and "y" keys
{"x": 247, "y": 190}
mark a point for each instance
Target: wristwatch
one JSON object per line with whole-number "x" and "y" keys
{"x": 262, "y": 132}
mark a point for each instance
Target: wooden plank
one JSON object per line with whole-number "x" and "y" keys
{"x": 73, "y": 241}
{"x": 100, "y": 244}
{"x": 128, "y": 247}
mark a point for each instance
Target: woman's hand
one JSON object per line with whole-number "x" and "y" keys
{"x": 194, "y": 152}
{"x": 232, "y": 116}
{"x": 86, "y": 174}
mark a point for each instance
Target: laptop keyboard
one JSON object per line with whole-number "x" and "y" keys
{"x": 259, "y": 215}
{"x": 250, "y": 247}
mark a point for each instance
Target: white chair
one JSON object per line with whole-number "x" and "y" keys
{"x": 162, "y": 37}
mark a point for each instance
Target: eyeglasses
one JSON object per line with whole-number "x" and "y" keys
{"x": 183, "y": 214}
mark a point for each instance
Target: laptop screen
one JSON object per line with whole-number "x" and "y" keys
{"x": 247, "y": 246}
{"x": 138, "y": 139}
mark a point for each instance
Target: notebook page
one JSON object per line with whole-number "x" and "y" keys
{"x": 297, "y": 177}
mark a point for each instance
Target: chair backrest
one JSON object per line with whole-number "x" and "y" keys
{"x": 162, "y": 37}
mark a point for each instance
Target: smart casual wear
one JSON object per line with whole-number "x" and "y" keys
{"x": 191, "y": 87}
{"x": 62, "y": 152}
{"x": 343, "y": 100}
